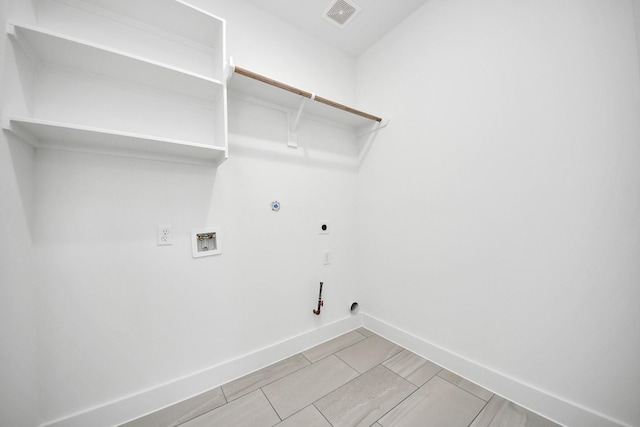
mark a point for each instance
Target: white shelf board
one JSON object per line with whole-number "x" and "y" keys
{"x": 175, "y": 16}
{"x": 62, "y": 136}
{"x": 248, "y": 87}
{"x": 48, "y": 47}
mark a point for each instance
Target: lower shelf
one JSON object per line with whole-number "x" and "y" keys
{"x": 63, "y": 136}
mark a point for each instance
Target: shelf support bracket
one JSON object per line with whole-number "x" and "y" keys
{"x": 230, "y": 69}
{"x": 376, "y": 127}
{"x": 294, "y": 121}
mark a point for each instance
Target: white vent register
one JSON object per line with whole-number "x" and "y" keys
{"x": 340, "y": 12}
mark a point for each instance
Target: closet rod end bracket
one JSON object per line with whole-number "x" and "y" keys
{"x": 376, "y": 127}
{"x": 230, "y": 69}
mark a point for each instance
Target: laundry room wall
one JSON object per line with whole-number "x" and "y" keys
{"x": 119, "y": 317}
{"x": 505, "y": 199}
{"x": 18, "y": 371}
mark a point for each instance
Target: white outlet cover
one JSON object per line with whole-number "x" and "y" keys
{"x": 164, "y": 235}
{"x": 324, "y": 230}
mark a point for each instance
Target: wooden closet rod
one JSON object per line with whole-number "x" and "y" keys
{"x": 304, "y": 93}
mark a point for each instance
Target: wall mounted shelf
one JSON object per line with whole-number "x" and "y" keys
{"x": 173, "y": 16}
{"x": 48, "y": 48}
{"x": 296, "y": 101}
{"x": 168, "y": 31}
{"x": 61, "y": 136}
{"x": 108, "y": 76}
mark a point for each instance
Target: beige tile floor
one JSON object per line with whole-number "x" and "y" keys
{"x": 356, "y": 379}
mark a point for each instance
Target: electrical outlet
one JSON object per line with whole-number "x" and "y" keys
{"x": 164, "y": 235}
{"x": 325, "y": 258}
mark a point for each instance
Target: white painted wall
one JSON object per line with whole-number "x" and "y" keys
{"x": 18, "y": 370}
{"x": 636, "y": 15}
{"x": 118, "y": 315}
{"x": 506, "y": 192}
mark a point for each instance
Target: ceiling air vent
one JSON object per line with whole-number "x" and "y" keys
{"x": 340, "y": 12}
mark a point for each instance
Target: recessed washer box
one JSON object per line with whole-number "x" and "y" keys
{"x": 205, "y": 242}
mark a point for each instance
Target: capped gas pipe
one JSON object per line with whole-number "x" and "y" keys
{"x": 320, "y": 302}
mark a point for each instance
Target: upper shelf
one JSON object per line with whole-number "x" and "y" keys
{"x": 174, "y": 16}
{"x": 254, "y": 85}
{"x": 47, "y": 47}
{"x": 63, "y": 136}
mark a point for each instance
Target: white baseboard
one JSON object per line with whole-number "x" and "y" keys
{"x": 131, "y": 407}
{"x": 134, "y": 406}
{"x": 539, "y": 401}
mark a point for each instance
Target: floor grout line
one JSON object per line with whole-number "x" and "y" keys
{"x": 224, "y": 395}
{"x": 398, "y": 404}
{"x": 270, "y": 382}
{"x": 406, "y": 397}
{"x": 320, "y": 412}
{"x": 364, "y": 338}
{"x": 347, "y": 363}
{"x": 473, "y": 394}
{"x": 478, "y": 414}
{"x": 272, "y": 407}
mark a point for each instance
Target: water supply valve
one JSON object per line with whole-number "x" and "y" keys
{"x": 320, "y": 302}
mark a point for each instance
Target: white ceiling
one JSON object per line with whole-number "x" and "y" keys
{"x": 372, "y": 22}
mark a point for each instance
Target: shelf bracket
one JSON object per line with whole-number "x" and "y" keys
{"x": 295, "y": 121}
{"x": 230, "y": 68}
{"x": 376, "y": 127}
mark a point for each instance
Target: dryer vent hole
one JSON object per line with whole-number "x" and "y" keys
{"x": 354, "y": 308}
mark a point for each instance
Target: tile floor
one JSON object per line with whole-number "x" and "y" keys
{"x": 356, "y": 379}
